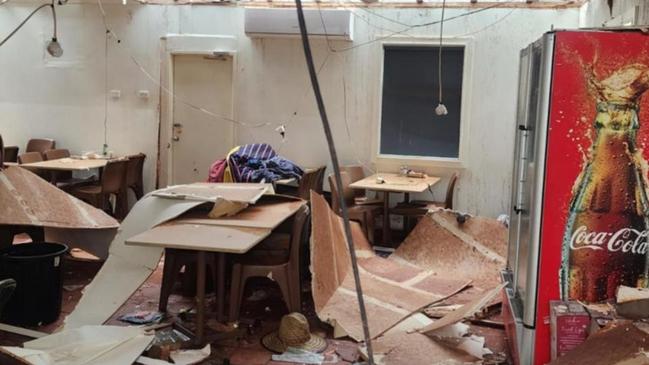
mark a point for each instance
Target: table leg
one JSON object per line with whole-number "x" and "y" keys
{"x": 386, "y": 218}
{"x": 406, "y": 219}
{"x": 220, "y": 287}
{"x": 200, "y": 298}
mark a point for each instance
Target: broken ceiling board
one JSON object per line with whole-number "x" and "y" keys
{"x": 472, "y": 251}
{"x": 27, "y": 199}
{"x": 415, "y": 349}
{"x": 210, "y": 192}
{"x": 94, "y": 241}
{"x": 127, "y": 267}
{"x": 388, "y": 300}
{"x": 618, "y": 345}
{"x": 201, "y": 237}
{"x": 261, "y": 215}
{"x": 466, "y": 311}
{"x": 93, "y": 345}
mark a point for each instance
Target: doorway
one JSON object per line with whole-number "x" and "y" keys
{"x": 199, "y": 138}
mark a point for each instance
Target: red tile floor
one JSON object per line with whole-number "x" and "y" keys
{"x": 260, "y": 314}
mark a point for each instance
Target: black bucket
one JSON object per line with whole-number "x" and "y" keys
{"x": 36, "y": 267}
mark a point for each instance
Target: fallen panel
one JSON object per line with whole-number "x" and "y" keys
{"x": 465, "y": 312}
{"x": 27, "y": 199}
{"x": 127, "y": 267}
{"x": 96, "y": 345}
{"x": 390, "y": 294}
{"x": 473, "y": 251}
{"x": 264, "y": 214}
{"x": 416, "y": 349}
{"x": 211, "y": 192}
{"x": 624, "y": 344}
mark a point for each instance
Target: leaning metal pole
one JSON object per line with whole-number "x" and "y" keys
{"x": 336, "y": 168}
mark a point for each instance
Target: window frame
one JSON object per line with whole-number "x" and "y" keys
{"x": 390, "y": 160}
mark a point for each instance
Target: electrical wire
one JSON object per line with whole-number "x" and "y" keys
{"x": 336, "y": 167}
{"x": 410, "y": 27}
{"x": 27, "y": 19}
{"x": 439, "y": 51}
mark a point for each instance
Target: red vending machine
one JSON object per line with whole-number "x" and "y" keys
{"x": 580, "y": 213}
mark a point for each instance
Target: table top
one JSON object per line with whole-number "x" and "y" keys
{"x": 201, "y": 237}
{"x": 67, "y": 164}
{"x": 236, "y": 234}
{"x": 396, "y": 183}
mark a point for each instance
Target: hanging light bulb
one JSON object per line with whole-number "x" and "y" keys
{"x": 54, "y": 48}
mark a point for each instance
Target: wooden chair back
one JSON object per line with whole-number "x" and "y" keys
{"x": 134, "y": 168}
{"x": 356, "y": 173}
{"x": 40, "y": 145}
{"x": 448, "y": 203}
{"x": 311, "y": 180}
{"x": 10, "y": 153}
{"x": 113, "y": 178}
{"x": 29, "y": 157}
{"x": 347, "y": 192}
{"x": 55, "y": 155}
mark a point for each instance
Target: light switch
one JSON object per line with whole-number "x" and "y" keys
{"x": 115, "y": 94}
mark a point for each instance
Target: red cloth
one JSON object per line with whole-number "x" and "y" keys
{"x": 217, "y": 170}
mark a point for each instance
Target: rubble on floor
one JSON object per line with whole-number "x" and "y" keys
{"x": 398, "y": 288}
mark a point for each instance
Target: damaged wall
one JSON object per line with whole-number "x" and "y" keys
{"x": 64, "y": 98}
{"x": 598, "y": 13}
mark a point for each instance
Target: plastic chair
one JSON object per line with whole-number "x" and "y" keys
{"x": 40, "y": 145}
{"x": 418, "y": 208}
{"x": 113, "y": 182}
{"x": 30, "y": 157}
{"x": 134, "y": 174}
{"x": 10, "y": 153}
{"x": 278, "y": 255}
{"x": 448, "y": 202}
{"x": 311, "y": 180}
{"x": 63, "y": 179}
{"x": 174, "y": 260}
{"x": 361, "y": 213}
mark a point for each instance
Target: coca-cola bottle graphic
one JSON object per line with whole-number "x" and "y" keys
{"x": 605, "y": 241}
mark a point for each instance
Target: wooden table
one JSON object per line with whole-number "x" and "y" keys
{"x": 394, "y": 183}
{"x": 228, "y": 235}
{"x": 67, "y": 164}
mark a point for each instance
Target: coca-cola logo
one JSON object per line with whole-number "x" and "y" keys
{"x": 627, "y": 240}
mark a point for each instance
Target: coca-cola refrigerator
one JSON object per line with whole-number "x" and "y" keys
{"x": 578, "y": 220}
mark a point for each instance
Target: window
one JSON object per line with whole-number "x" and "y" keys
{"x": 409, "y": 125}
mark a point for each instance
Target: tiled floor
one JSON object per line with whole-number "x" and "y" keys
{"x": 240, "y": 344}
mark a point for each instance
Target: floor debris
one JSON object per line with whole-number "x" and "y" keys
{"x": 392, "y": 290}
{"x": 474, "y": 250}
{"x": 621, "y": 344}
{"x": 87, "y": 345}
{"x": 127, "y": 267}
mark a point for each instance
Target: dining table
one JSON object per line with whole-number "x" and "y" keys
{"x": 394, "y": 183}
{"x": 67, "y": 164}
{"x": 236, "y": 234}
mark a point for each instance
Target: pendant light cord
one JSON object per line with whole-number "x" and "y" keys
{"x": 27, "y": 19}
{"x": 439, "y": 53}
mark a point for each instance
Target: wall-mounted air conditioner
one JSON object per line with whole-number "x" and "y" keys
{"x": 267, "y": 22}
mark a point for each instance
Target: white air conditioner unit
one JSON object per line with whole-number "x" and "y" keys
{"x": 338, "y": 23}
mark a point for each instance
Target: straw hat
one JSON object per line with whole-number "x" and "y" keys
{"x": 293, "y": 332}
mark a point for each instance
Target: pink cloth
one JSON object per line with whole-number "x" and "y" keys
{"x": 217, "y": 170}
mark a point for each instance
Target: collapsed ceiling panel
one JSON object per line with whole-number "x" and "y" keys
{"x": 28, "y": 200}
{"x": 389, "y": 287}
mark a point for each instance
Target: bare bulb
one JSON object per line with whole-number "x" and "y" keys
{"x": 441, "y": 109}
{"x": 54, "y": 48}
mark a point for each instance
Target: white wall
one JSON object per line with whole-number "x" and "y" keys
{"x": 66, "y": 102}
{"x": 597, "y": 13}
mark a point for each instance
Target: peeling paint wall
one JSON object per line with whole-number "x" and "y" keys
{"x": 597, "y": 13}
{"x": 64, "y": 99}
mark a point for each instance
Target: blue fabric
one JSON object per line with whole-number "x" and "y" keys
{"x": 273, "y": 169}
{"x": 258, "y": 162}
